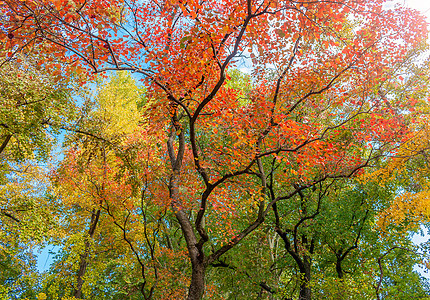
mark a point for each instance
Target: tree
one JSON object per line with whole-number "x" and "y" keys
{"x": 319, "y": 107}
{"x": 86, "y": 184}
{"x": 31, "y": 101}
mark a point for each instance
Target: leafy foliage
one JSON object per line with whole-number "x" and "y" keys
{"x": 207, "y": 182}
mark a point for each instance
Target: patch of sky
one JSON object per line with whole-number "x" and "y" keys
{"x": 45, "y": 257}
{"x": 422, "y": 240}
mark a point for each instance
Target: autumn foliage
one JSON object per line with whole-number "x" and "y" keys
{"x": 253, "y": 121}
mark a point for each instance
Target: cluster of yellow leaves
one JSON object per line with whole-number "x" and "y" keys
{"x": 43, "y": 296}
{"x": 408, "y": 210}
{"x": 411, "y": 207}
{"x": 118, "y": 101}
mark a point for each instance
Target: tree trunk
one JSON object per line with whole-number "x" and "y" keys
{"x": 305, "y": 272}
{"x": 339, "y": 270}
{"x": 84, "y": 257}
{"x": 197, "y": 286}
{"x": 304, "y": 263}
{"x": 195, "y": 252}
{"x": 82, "y": 268}
{"x": 5, "y": 142}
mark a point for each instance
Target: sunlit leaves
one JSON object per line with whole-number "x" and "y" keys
{"x": 329, "y": 94}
